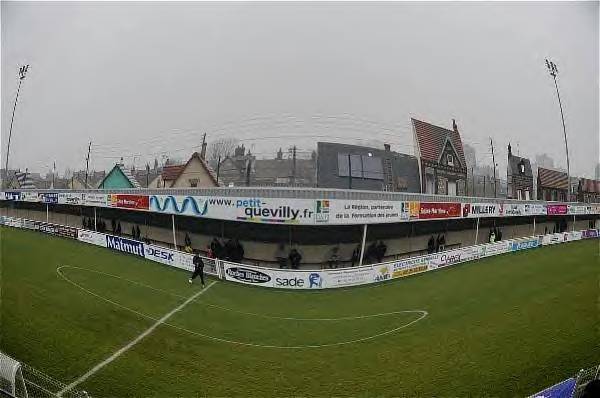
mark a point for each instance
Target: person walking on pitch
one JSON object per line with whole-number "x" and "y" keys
{"x": 198, "y": 268}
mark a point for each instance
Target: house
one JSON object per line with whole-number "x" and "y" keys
{"x": 243, "y": 169}
{"x": 119, "y": 178}
{"x": 22, "y": 181}
{"x": 195, "y": 173}
{"x": 371, "y": 168}
{"x": 442, "y": 164}
{"x": 519, "y": 177}
{"x": 588, "y": 191}
{"x": 551, "y": 185}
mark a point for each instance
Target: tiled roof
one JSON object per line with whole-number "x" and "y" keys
{"x": 431, "y": 140}
{"x": 170, "y": 173}
{"x": 552, "y": 179}
{"x": 587, "y": 185}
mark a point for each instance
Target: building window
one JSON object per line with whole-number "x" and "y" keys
{"x": 519, "y": 194}
{"x": 450, "y": 160}
{"x": 429, "y": 184}
{"x": 527, "y": 197}
{"x": 193, "y": 182}
{"x": 362, "y": 166}
{"x": 451, "y": 188}
{"x": 282, "y": 180}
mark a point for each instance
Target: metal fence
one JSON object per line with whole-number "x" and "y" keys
{"x": 583, "y": 378}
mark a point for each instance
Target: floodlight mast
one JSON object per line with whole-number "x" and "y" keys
{"x": 22, "y": 73}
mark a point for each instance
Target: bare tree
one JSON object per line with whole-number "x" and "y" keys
{"x": 221, "y": 148}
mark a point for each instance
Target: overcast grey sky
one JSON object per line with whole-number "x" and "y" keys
{"x": 142, "y": 80}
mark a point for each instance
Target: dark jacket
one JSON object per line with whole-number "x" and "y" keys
{"x": 198, "y": 263}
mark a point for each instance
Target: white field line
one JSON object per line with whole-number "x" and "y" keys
{"x": 133, "y": 342}
{"x": 386, "y": 332}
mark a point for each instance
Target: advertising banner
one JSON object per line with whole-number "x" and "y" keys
{"x": 48, "y": 197}
{"x": 431, "y": 210}
{"x": 556, "y": 209}
{"x": 12, "y": 195}
{"x": 589, "y": 233}
{"x": 175, "y": 204}
{"x": 29, "y": 196}
{"x": 564, "y": 389}
{"x": 268, "y": 211}
{"x": 476, "y": 210}
{"x": 348, "y": 276}
{"x": 536, "y": 209}
{"x": 95, "y": 199}
{"x": 409, "y": 266}
{"x": 91, "y": 237}
{"x": 512, "y": 209}
{"x": 576, "y": 209}
{"x": 30, "y": 224}
{"x": 551, "y": 239}
{"x": 247, "y": 274}
{"x": 268, "y": 277}
{"x": 125, "y": 245}
{"x": 414, "y": 209}
{"x": 362, "y": 211}
{"x": 59, "y": 230}
{"x": 525, "y": 243}
{"x": 492, "y": 249}
{"x": 126, "y": 201}
{"x": 70, "y": 198}
{"x": 451, "y": 257}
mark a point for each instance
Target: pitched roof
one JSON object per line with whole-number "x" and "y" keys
{"x": 431, "y": 140}
{"x": 170, "y": 173}
{"x": 129, "y": 176}
{"x": 25, "y": 181}
{"x": 196, "y": 155}
{"x": 587, "y": 185}
{"x": 513, "y": 164}
{"x": 549, "y": 178}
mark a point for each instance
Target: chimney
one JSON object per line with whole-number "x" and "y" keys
{"x": 386, "y": 147}
{"x": 509, "y": 150}
{"x": 203, "y": 151}
{"x": 454, "y": 126}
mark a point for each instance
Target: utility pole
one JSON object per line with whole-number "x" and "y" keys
{"x": 349, "y": 172}
{"x": 554, "y": 72}
{"x": 22, "y": 72}
{"x": 293, "y": 179}
{"x": 218, "y": 168}
{"x": 53, "y": 173}
{"x": 87, "y": 165}
{"x": 494, "y": 161}
{"x": 473, "y": 176}
{"x": 147, "y": 175}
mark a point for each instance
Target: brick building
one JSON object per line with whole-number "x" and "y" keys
{"x": 519, "y": 177}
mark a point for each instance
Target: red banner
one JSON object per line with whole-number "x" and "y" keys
{"x": 139, "y": 202}
{"x": 556, "y": 209}
{"x": 439, "y": 210}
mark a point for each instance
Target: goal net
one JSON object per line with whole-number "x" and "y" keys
{"x": 11, "y": 377}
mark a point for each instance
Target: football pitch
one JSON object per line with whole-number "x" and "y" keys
{"x": 508, "y": 325}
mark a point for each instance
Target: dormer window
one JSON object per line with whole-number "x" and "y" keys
{"x": 522, "y": 168}
{"x": 450, "y": 160}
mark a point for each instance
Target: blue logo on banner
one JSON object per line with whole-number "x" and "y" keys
{"x": 48, "y": 197}
{"x": 526, "y": 244}
{"x": 314, "y": 280}
{"x": 12, "y": 195}
{"x": 170, "y": 205}
{"x": 564, "y": 389}
{"x": 125, "y": 245}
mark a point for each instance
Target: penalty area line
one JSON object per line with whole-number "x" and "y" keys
{"x": 133, "y": 342}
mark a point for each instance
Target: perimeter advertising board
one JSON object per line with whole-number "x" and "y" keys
{"x": 556, "y": 209}
{"x": 92, "y": 237}
{"x": 12, "y": 195}
{"x": 126, "y": 201}
{"x": 451, "y": 257}
{"x": 95, "y": 199}
{"x": 179, "y": 204}
{"x": 125, "y": 245}
{"x": 361, "y": 211}
{"x": 409, "y": 266}
{"x": 348, "y": 276}
{"x": 492, "y": 249}
{"x": 589, "y": 233}
{"x": 260, "y": 210}
{"x": 58, "y": 230}
{"x": 433, "y": 210}
{"x": 477, "y": 210}
{"x": 48, "y": 197}
{"x": 525, "y": 243}
{"x": 536, "y": 209}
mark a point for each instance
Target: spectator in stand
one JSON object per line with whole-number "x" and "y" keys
{"x": 114, "y": 226}
{"x": 133, "y": 234}
{"x": 498, "y": 234}
{"x": 216, "y": 248}
{"x": 334, "y": 257}
{"x": 295, "y": 258}
{"x": 492, "y": 236}
{"x": 84, "y": 222}
{"x": 355, "y": 255}
{"x": 280, "y": 256}
{"x": 437, "y": 243}
{"x": 138, "y": 232}
{"x": 239, "y": 251}
{"x": 431, "y": 245}
{"x": 118, "y": 231}
{"x": 188, "y": 244}
{"x": 380, "y": 251}
{"x": 371, "y": 253}
{"x": 442, "y": 242}
{"x": 209, "y": 252}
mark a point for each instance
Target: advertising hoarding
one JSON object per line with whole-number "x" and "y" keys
{"x": 432, "y": 210}
{"x": 556, "y": 209}
{"x": 477, "y": 210}
{"x": 535, "y": 209}
{"x": 126, "y": 201}
{"x": 48, "y": 197}
{"x": 125, "y": 245}
{"x": 179, "y": 204}
{"x": 95, "y": 199}
{"x": 92, "y": 237}
{"x": 362, "y": 211}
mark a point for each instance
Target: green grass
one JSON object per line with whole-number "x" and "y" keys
{"x": 505, "y": 326}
